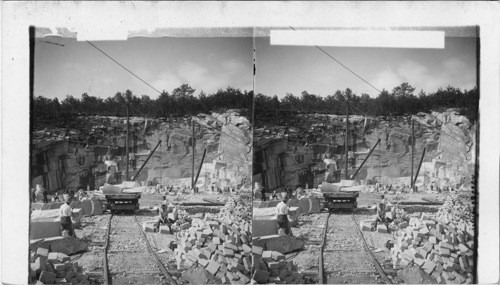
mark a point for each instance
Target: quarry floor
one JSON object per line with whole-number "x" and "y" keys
{"x": 339, "y": 267}
{"x": 309, "y": 229}
{"x": 126, "y": 240}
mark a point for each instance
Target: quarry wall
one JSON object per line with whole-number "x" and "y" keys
{"x": 448, "y": 138}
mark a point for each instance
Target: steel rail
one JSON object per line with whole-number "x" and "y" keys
{"x": 321, "y": 269}
{"x": 370, "y": 254}
{"x": 105, "y": 259}
{"x": 164, "y": 270}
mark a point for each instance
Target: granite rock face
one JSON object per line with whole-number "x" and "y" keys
{"x": 226, "y": 137}
{"x": 309, "y": 150}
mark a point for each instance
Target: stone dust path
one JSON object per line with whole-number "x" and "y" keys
{"x": 129, "y": 261}
{"x": 345, "y": 258}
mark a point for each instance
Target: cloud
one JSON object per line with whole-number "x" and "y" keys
{"x": 387, "y": 79}
{"x": 452, "y": 71}
{"x": 200, "y": 78}
{"x": 230, "y": 72}
{"x": 233, "y": 65}
{"x": 166, "y": 81}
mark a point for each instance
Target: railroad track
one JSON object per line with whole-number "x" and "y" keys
{"x": 128, "y": 256}
{"x": 345, "y": 256}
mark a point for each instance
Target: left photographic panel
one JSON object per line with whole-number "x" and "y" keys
{"x": 140, "y": 157}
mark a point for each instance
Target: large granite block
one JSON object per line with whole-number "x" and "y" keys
{"x": 45, "y": 229}
{"x": 280, "y": 243}
{"x": 264, "y": 225}
{"x": 66, "y": 245}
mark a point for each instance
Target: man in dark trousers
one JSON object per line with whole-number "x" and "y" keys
{"x": 381, "y": 210}
{"x": 282, "y": 215}
{"x": 65, "y": 214}
{"x": 45, "y": 193}
{"x": 33, "y": 195}
{"x": 263, "y": 193}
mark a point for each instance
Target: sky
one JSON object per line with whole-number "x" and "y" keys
{"x": 293, "y": 69}
{"x": 209, "y": 64}
{"x": 206, "y": 64}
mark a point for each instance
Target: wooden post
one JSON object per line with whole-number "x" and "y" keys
{"x": 366, "y": 158}
{"x": 346, "y": 140}
{"x": 127, "y": 148}
{"x": 192, "y": 164}
{"x": 201, "y": 165}
{"x": 419, "y": 165}
{"x": 412, "y": 150}
{"x": 147, "y": 159}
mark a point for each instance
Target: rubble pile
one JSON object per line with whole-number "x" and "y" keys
{"x": 54, "y": 268}
{"x": 238, "y": 208}
{"x": 441, "y": 244}
{"x": 458, "y": 208}
{"x": 218, "y": 243}
{"x": 272, "y": 267}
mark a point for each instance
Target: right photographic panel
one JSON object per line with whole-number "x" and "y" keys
{"x": 365, "y": 155}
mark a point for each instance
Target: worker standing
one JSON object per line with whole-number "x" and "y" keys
{"x": 282, "y": 215}
{"x": 263, "y": 193}
{"x": 65, "y": 214}
{"x": 175, "y": 214}
{"x": 33, "y": 195}
{"x": 45, "y": 193}
{"x": 381, "y": 210}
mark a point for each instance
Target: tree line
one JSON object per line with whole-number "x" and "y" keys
{"x": 182, "y": 101}
{"x": 401, "y": 101}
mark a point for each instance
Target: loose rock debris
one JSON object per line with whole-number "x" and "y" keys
{"x": 441, "y": 244}
{"x": 218, "y": 245}
{"x": 50, "y": 267}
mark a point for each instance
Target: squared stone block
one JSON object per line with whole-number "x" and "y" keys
{"x": 232, "y": 276}
{"x": 444, "y": 252}
{"x": 203, "y": 262}
{"x": 429, "y": 267}
{"x": 59, "y": 267}
{"x": 216, "y": 240}
{"x": 42, "y": 252}
{"x": 70, "y": 274}
{"x": 257, "y": 250}
{"x": 47, "y": 277}
{"x": 419, "y": 261}
{"x": 230, "y": 246}
{"x": 213, "y": 267}
{"x": 246, "y": 248}
{"x": 60, "y": 274}
{"x": 228, "y": 252}
{"x": 264, "y": 226}
{"x": 267, "y": 256}
{"x": 381, "y": 228}
{"x": 260, "y": 276}
{"x": 403, "y": 225}
{"x": 148, "y": 227}
{"x": 462, "y": 248}
{"x": 52, "y": 257}
{"x": 40, "y": 264}
{"x": 164, "y": 230}
{"x": 61, "y": 257}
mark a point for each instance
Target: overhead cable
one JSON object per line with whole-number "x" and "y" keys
{"x": 343, "y": 65}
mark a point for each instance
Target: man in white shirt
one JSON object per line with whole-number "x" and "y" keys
{"x": 65, "y": 214}
{"x": 282, "y": 215}
{"x": 381, "y": 211}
